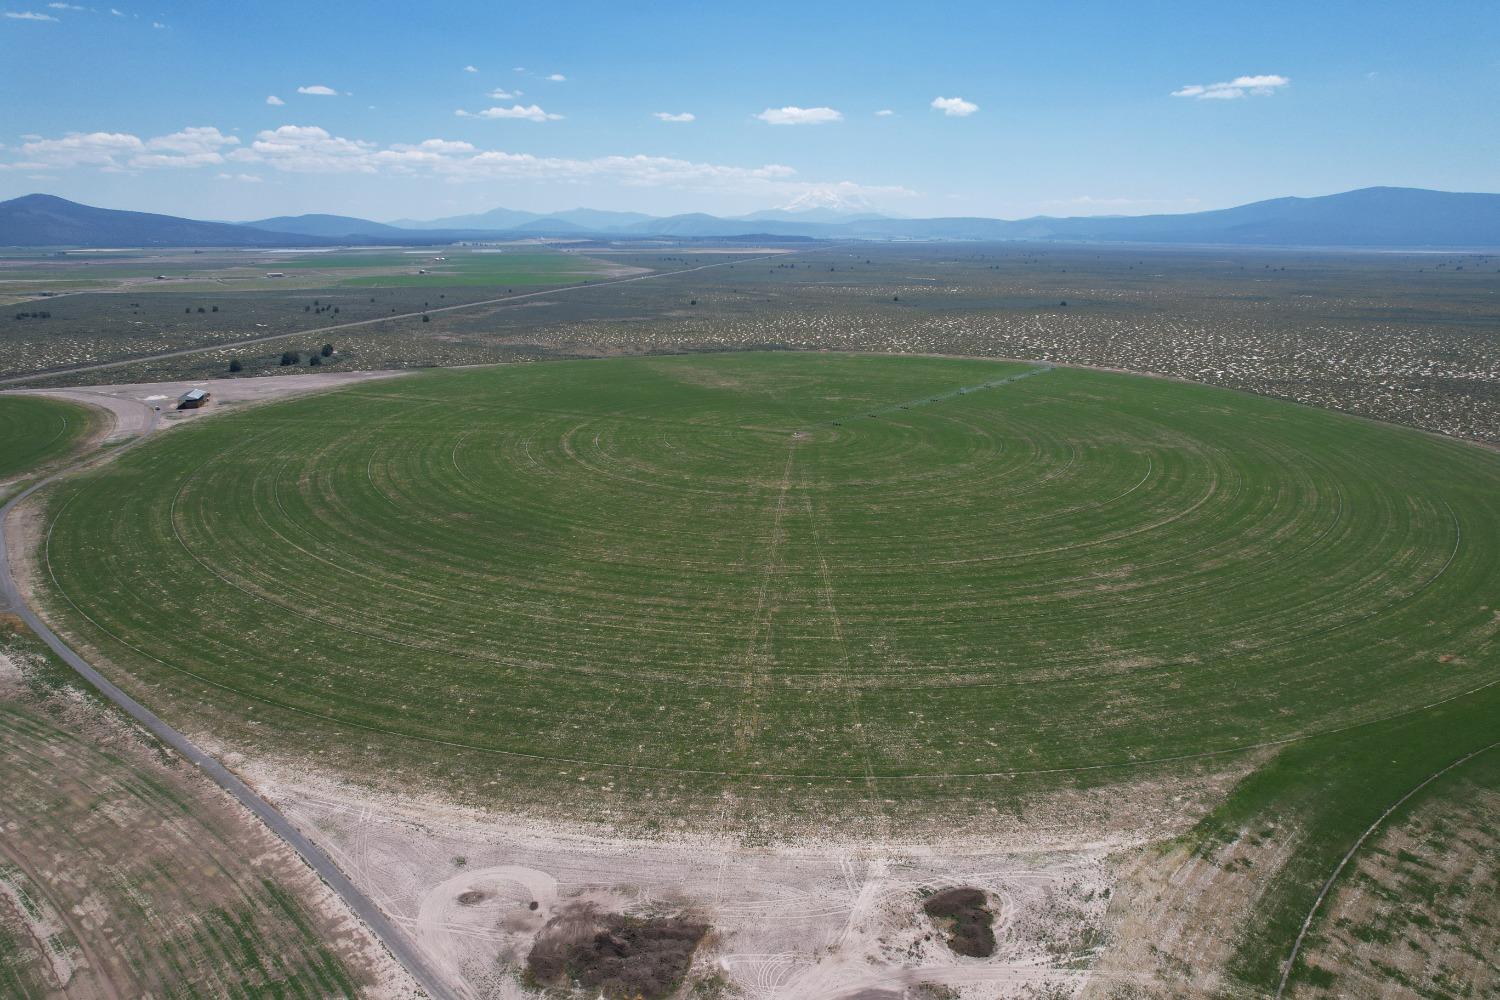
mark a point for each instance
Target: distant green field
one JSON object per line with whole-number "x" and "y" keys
{"x": 353, "y": 259}
{"x": 459, "y": 267}
{"x": 889, "y": 579}
{"x": 508, "y": 269}
{"x": 217, "y": 272}
{"x": 35, "y": 431}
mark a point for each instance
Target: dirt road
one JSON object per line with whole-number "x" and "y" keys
{"x": 524, "y": 296}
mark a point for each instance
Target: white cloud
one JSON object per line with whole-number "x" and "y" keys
{"x": 1263, "y": 82}
{"x": 884, "y": 113}
{"x": 504, "y": 95}
{"x": 1263, "y": 85}
{"x": 954, "y": 107}
{"x": 27, "y": 15}
{"x": 309, "y": 149}
{"x": 194, "y": 139}
{"x": 99, "y": 149}
{"x": 66, "y": 6}
{"x": 275, "y": 101}
{"x": 117, "y": 12}
{"x": 243, "y": 178}
{"x": 667, "y": 116}
{"x": 471, "y": 69}
{"x": 318, "y": 90}
{"x": 441, "y": 147}
{"x": 157, "y": 24}
{"x": 117, "y": 151}
{"x": 557, "y": 78}
{"x": 792, "y": 115}
{"x": 192, "y": 147}
{"x": 527, "y": 112}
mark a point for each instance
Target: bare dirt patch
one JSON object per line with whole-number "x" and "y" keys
{"x": 810, "y": 920}
{"x": 133, "y": 405}
{"x": 1176, "y": 913}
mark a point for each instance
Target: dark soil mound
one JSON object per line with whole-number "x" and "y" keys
{"x": 471, "y": 897}
{"x": 620, "y": 956}
{"x": 966, "y": 914}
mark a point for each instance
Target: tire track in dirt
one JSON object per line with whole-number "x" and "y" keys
{"x": 825, "y": 592}
{"x": 764, "y": 611}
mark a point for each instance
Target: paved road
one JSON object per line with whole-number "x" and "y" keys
{"x": 375, "y": 919}
{"x": 184, "y": 352}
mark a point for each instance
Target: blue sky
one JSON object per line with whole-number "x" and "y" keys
{"x": 994, "y": 109}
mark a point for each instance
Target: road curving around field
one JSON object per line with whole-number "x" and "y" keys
{"x": 400, "y": 948}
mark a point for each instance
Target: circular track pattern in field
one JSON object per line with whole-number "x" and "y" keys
{"x": 891, "y": 570}
{"x": 35, "y": 431}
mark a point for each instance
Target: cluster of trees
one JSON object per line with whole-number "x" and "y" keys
{"x": 43, "y": 314}
{"x": 189, "y": 309}
{"x": 318, "y": 307}
{"x": 289, "y": 358}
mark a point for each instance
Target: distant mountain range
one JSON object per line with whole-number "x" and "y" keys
{"x": 40, "y": 220}
{"x": 504, "y": 219}
{"x": 1380, "y": 217}
{"x": 330, "y": 226}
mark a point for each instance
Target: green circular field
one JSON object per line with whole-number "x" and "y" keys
{"x": 773, "y": 565}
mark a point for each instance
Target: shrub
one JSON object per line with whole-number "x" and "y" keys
{"x": 290, "y": 357}
{"x": 969, "y": 922}
{"x": 235, "y": 366}
{"x": 617, "y": 955}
